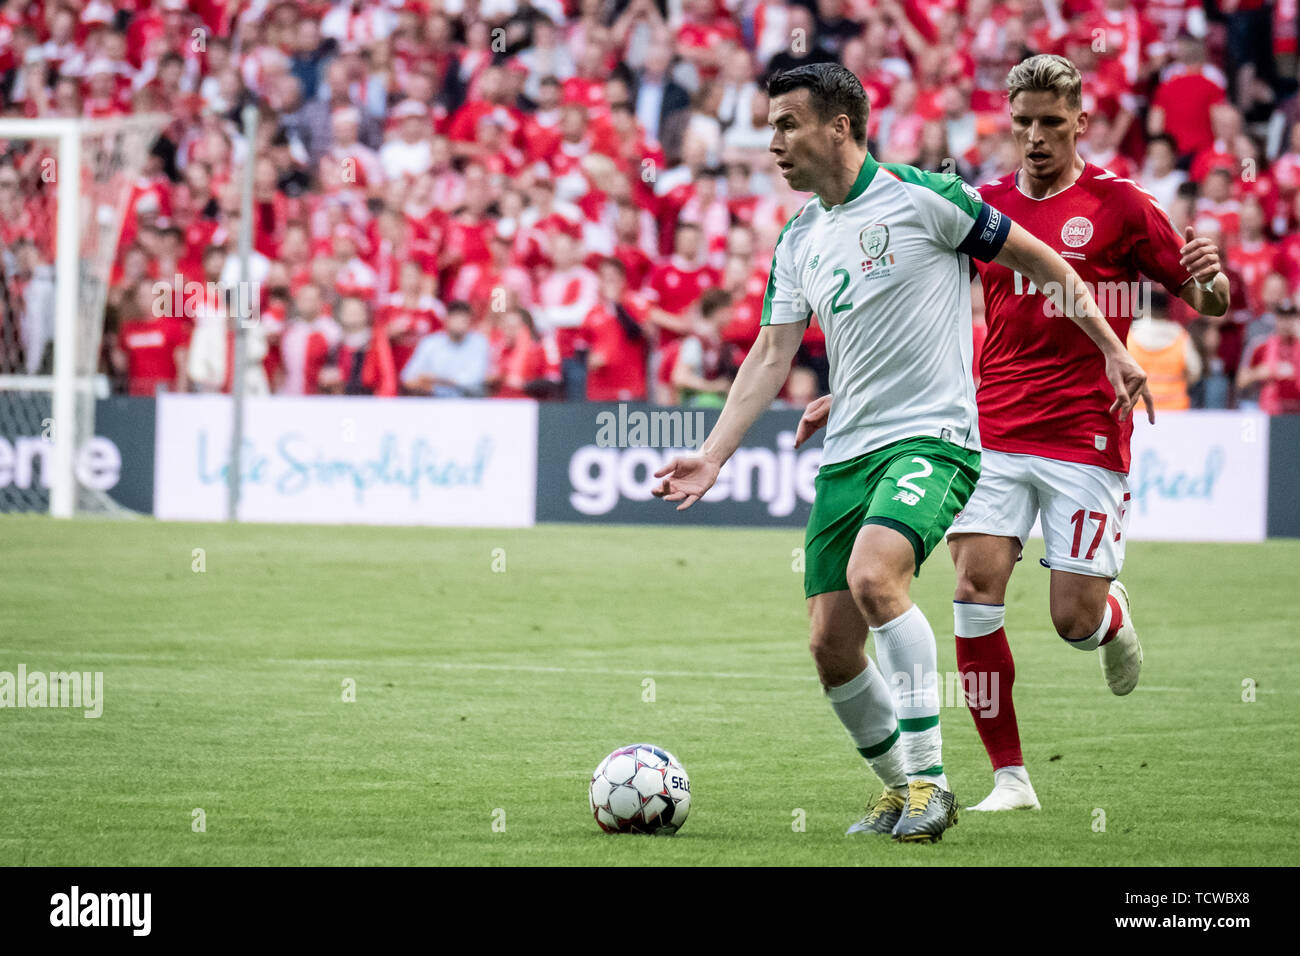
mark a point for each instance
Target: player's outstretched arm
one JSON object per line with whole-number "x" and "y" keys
{"x": 757, "y": 384}
{"x": 1058, "y": 281}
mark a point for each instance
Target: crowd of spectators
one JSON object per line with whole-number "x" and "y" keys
{"x": 573, "y": 199}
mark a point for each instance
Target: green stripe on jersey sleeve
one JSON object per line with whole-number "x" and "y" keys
{"x": 948, "y": 185}
{"x": 948, "y": 207}
{"x": 779, "y": 298}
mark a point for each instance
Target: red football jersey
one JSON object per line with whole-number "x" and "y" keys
{"x": 1255, "y": 261}
{"x": 674, "y": 286}
{"x": 616, "y": 363}
{"x": 150, "y": 346}
{"x": 1043, "y": 388}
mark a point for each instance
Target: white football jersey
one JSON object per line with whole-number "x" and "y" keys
{"x": 887, "y": 273}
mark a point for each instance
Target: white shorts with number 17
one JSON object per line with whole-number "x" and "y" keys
{"x": 1083, "y": 510}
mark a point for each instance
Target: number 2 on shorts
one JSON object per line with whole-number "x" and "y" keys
{"x": 925, "y": 472}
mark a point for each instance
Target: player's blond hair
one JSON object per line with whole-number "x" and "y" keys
{"x": 1047, "y": 73}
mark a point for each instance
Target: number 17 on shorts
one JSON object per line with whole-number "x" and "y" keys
{"x": 1083, "y": 510}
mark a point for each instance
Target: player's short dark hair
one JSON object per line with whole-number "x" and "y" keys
{"x": 459, "y": 305}
{"x": 612, "y": 262}
{"x": 832, "y": 90}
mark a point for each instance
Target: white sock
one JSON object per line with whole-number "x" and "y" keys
{"x": 866, "y": 710}
{"x": 1009, "y": 774}
{"x": 907, "y": 655}
{"x": 977, "y": 620}
{"x": 1090, "y": 642}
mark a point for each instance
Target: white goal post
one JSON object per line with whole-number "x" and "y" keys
{"x": 95, "y": 165}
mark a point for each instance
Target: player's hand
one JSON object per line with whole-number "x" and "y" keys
{"x": 686, "y": 480}
{"x": 814, "y": 417}
{"x": 1200, "y": 256}
{"x": 1130, "y": 384}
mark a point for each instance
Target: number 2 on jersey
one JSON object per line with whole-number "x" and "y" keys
{"x": 836, "y": 307}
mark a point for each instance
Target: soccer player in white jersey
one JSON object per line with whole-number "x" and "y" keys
{"x": 881, "y": 254}
{"x": 1054, "y": 449}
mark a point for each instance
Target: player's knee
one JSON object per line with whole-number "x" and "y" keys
{"x": 979, "y": 583}
{"x": 874, "y": 587}
{"x": 974, "y": 588}
{"x": 821, "y": 644}
{"x": 1073, "y": 623}
{"x": 832, "y": 655}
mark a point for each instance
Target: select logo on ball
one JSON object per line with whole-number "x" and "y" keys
{"x": 640, "y": 788}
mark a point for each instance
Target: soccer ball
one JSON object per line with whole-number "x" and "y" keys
{"x": 640, "y": 788}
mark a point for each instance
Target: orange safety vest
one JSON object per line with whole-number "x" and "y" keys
{"x": 1166, "y": 372}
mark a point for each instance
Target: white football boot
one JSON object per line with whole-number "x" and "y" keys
{"x": 1011, "y": 791}
{"x": 1121, "y": 657}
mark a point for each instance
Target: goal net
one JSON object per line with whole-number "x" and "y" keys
{"x": 64, "y": 189}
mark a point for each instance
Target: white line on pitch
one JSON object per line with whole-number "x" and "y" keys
{"x": 722, "y": 675}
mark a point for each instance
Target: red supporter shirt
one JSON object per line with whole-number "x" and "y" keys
{"x": 1254, "y": 260}
{"x": 1215, "y": 156}
{"x": 518, "y": 364}
{"x": 1186, "y": 98}
{"x": 636, "y": 262}
{"x": 708, "y": 36}
{"x": 746, "y": 322}
{"x": 585, "y": 91}
{"x": 463, "y": 125}
{"x": 413, "y": 321}
{"x": 675, "y": 289}
{"x": 1289, "y": 260}
{"x": 1043, "y": 389}
{"x": 1278, "y": 396}
{"x": 621, "y": 372}
{"x": 150, "y": 346}
{"x": 470, "y": 240}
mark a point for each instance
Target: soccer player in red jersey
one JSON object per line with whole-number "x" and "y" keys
{"x": 1053, "y": 448}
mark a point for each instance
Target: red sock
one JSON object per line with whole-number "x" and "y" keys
{"x": 1116, "y": 620}
{"x": 981, "y": 661}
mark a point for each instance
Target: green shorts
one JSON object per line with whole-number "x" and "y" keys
{"x": 915, "y": 486}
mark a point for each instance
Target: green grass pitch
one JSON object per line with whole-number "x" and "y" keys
{"x": 486, "y": 696}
